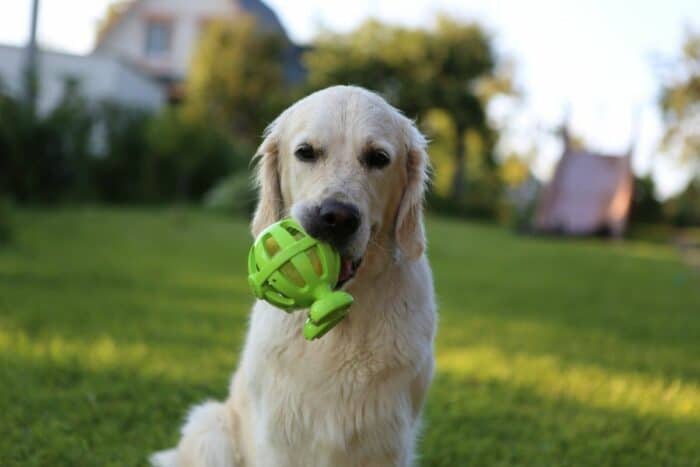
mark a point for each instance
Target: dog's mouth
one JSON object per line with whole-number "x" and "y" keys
{"x": 348, "y": 269}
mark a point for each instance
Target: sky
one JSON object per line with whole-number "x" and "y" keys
{"x": 596, "y": 61}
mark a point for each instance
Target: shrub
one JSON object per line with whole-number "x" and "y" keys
{"x": 108, "y": 152}
{"x": 234, "y": 194}
{"x": 44, "y": 158}
{"x": 120, "y": 168}
{"x": 6, "y": 224}
{"x": 684, "y": 209}
{"x": 645, "y": 207}
{"x": 187, "y": 156}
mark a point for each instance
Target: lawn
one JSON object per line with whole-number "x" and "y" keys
{"x": 550, "y": 352}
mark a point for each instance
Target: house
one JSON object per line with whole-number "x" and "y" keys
{"x": 590, "y": 193}
{"x": 99, "y": 78}
{"x": 160, "y": 36}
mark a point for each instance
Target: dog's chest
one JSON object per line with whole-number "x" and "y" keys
{"x": 357, "y": 400}
{"x": 347, "y": 393}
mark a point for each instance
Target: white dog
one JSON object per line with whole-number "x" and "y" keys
{"x": 352, "y": 170}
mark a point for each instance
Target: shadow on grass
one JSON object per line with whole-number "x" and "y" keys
{"x": 485, "y": 423}
{"x": 656, "y": 357}
{"x": 160, "y": 311}
{"x": 161, "y": 324}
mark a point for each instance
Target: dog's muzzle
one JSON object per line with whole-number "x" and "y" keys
{"x": 335, "y": 222}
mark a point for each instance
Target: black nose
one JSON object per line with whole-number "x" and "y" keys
{"x": 333, "y": 222}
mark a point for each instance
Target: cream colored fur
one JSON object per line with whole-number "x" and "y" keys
{"x": 354, "y": 397}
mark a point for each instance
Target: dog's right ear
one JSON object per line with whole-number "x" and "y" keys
{"x": 409, "y": 230}
{"x": 267, "y": 180}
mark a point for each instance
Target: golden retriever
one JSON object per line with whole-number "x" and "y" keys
{"x": 352, "y": 170}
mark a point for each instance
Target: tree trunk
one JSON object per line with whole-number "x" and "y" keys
{"x": 459, "y": 180}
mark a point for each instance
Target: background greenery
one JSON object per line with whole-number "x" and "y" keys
{"x": 114, "y": 321}
{"x": 196, "y": 149}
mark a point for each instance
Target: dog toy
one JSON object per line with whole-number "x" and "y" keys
{"x": 292, "y": 270}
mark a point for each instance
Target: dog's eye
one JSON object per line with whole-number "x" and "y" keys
{"x": 376, "y": 159}
{"x": 305, "y": 153}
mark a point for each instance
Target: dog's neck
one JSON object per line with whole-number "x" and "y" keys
{"x": 380, "y": 274}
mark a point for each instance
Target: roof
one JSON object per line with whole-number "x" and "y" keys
{"x": 103, "y": 32}
{"x": 589, "y": 192}
{"x": 263, "y": 13}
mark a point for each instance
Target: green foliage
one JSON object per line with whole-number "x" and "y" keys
{"x": 451, "y": 68}
{"x": 415, "y": 69}
{"x": 578, "y": 353}
{"x": 483, "y": 201}
{"x": 237, "y": 79}
{"x": 684, "y": 209}
{"x": 6, "y": 221}
{"x": 234, "y": 194}
{"x": 645, "y": 207}
{"x": 680, "y": 102}
{"x": 119, "y": 171}
{"x": 186, "y": 156}
{"x": 71, "y": 121}
{"x": 159, "y": 158}
{"x": 440, "y": 129}
{"x": 43, "y": 158}
{"x": 109, "y": 152}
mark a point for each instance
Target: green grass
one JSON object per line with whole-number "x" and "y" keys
{"x": 550, "y": 352}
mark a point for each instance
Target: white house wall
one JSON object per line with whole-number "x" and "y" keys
{"x": 127, "y": 37}
{"x": 131, "y": 88}
{"x": 11, "y": 66}
{"x": 99, "y": 78}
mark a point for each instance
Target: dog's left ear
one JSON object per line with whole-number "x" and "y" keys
{"x": 410, "y": 234}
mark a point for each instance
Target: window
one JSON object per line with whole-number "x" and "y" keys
{"x": 158, "y": 37}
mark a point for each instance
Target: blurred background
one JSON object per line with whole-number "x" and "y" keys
{"x": 564, "y": 214}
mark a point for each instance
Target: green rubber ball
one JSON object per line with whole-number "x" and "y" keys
{"x": 292, "y": 270}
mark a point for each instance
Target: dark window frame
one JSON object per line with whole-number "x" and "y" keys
{"x": 158, "y": 36}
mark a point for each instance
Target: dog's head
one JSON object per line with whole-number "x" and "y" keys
{"x": 351, "y": 170}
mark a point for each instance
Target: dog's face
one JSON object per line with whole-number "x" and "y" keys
{"x": 351, "y": 170}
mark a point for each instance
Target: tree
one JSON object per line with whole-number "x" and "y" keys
{"x": 187, "y": 156}
{"x": 237, "y": 78}
{"x": 43, "y": 158}
{"x": 680, "y": 103}
{"x": 452, "y": 68}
